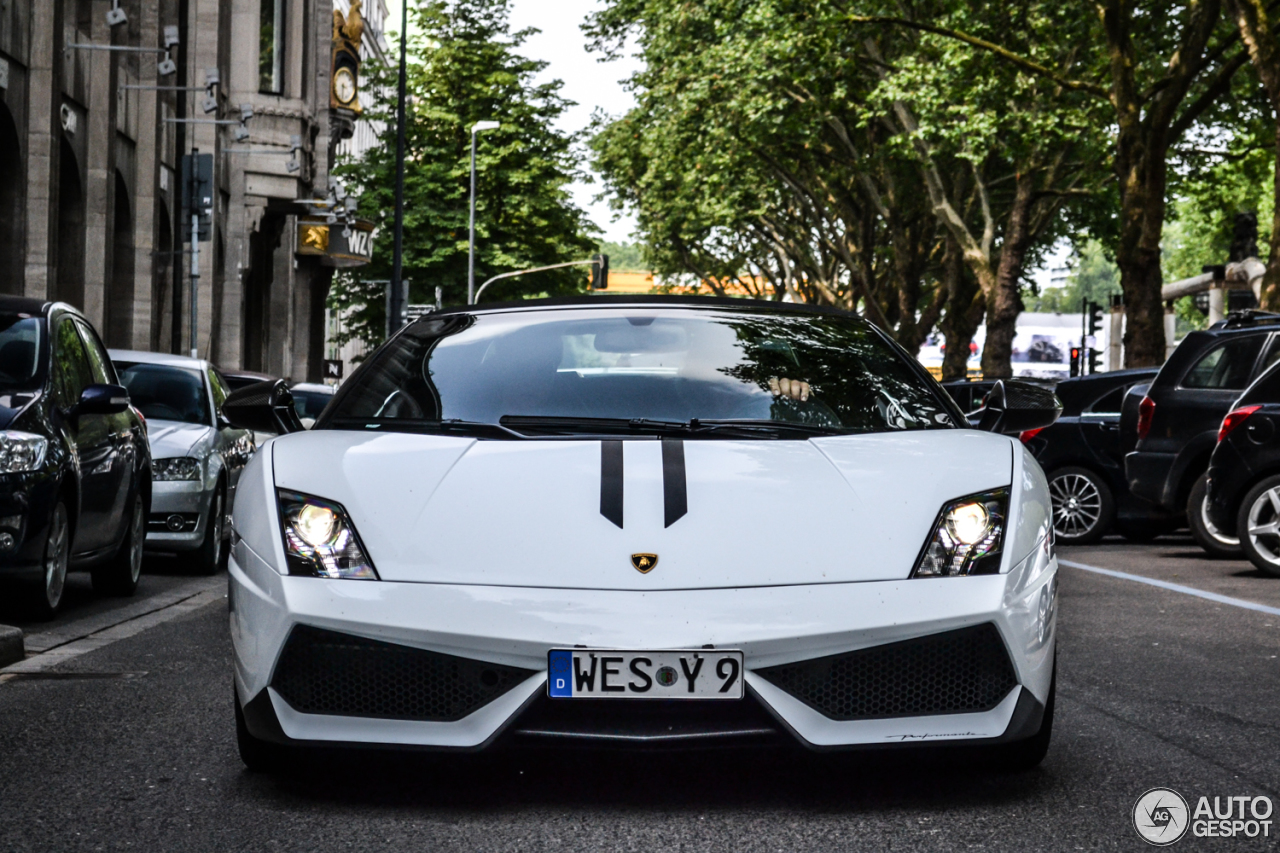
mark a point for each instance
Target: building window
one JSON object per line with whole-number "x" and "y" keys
{"x": 271, "y": 47}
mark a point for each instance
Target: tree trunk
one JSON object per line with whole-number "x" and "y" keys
{"x": 1270, "y": 300}
{"x": 1004, "y": 303}
{"x": 964, "y": 313}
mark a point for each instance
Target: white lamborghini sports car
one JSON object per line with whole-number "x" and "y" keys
{"x": 643, "y": 521}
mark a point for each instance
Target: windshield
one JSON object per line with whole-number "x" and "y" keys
{"x": 309, "y": 404}
{"x": 527, "y": 369}
{"x": 19, "y": 353}
{"x": 166, "y": 393}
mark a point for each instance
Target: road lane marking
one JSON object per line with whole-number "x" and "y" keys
{"x": 63, "y": 653}
{"x": 1199, "y": 593}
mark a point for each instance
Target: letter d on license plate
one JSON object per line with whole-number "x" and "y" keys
{"x": 613, "y": 674}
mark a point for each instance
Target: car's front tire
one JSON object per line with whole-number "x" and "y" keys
{"x": 120, "y": 576}
{"x": 258, "y": 755}
{"x": 208, "y": 558}
{"x": 1258, "y": 523}
{"x": 1083, "y": 506}
{"x": 1218, "y": 543}
{"x": 45, "y": 598}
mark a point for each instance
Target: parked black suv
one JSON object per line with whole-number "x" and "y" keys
{"x": 1083, "y": 457}
{"x": 1244, "y": 472}
{"x": 1178, "y": 419}
{"x": 75, "y": 468}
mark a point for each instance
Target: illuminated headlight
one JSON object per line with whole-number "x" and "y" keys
{"x": 319, "y": 539}
{"x": 177, "y": 468}
{"x": 21, "y": 452}
{"x": 967, "y": 538}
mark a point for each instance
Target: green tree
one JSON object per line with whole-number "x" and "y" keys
{"x": 624, "y": 256}
{"x": 465, "y": 67}
{"x": 1093, "y": 276}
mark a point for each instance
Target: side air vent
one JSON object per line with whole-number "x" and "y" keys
{"x": 955, "y": 672}
{"x": 326, "y": 672}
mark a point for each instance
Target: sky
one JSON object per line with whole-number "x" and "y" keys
{"x": 588, "y": 82}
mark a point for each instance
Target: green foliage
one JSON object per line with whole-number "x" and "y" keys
{"x": 464, "y": 67}
{"x": 1094, "y": 276}
{"x": 625, "y": 257}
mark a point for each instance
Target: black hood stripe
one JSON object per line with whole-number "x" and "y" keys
{"x": 675, "y": 495}
{"x": 611, "y": 481}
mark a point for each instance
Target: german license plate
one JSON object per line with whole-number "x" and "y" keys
{"x": 611, "y": 674}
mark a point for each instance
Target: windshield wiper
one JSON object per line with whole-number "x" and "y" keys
{"x": 455, "y": 426}
{"x": 649, "y": 426}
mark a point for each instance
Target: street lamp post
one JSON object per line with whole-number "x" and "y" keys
{"x": 394, "y": 307}
{"x": 471, "y": 241}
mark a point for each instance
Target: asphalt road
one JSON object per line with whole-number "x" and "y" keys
{"x": 130, "y": 746}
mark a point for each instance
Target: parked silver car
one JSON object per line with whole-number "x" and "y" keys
{"x": 196, "y": 455}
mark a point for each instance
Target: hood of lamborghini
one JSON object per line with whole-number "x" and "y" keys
{"x": 712, "y": 514}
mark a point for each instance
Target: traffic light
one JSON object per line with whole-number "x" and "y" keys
{"x": 1094, "y": 313}
{"x": 1075, "y": 361}
{"x": 599, "y": 272}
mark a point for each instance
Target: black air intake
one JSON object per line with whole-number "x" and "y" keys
{"x": 325, "y": 672}
{"x": 956, "y": 672}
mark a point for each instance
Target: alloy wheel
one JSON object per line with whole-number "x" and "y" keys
{"x": 216, "y": 521}
{"x": 1264, "y": 525}
{"x": 55, "y": 558}
{"x": 137, "y": 540}
{"x": 1214, "y": 531}
{"x": 1077, "y": 505}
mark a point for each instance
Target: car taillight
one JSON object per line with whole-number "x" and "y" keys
{"x": 1027, "y": 435}
{"x": 1234, "y": 419}
{"x": 1146, "y": 411}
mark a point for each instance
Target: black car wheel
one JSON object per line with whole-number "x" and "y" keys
{"x": 45, "y": 599}
{"x": 209, "y": 558}
{"x": 1083, "y": 506}
{"x": 1218, "y": 543}
{"x": 258, "y": 755}
{"x": 1259, "y": 525}
{"x": 120, "y": 576}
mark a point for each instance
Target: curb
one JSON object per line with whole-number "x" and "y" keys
{"x": 11, "y": 646}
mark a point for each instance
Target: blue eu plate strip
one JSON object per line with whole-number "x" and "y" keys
{"x": 559, "y": 673}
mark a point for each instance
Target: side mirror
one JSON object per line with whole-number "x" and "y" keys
{"x": 263, "y": 407}
{"x": 1013, "y": 407}
{"x": 222, "y": 421}
{"x": 101, "y": 400}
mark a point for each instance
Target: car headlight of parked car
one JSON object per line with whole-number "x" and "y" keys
{"x": 320, "y": 540}
{"x": 21, "y": 452}
{"x": 177, "y": 468}
{"x": 967, "y": 538}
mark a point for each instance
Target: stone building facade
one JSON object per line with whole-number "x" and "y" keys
{"x": 91, "y": 143}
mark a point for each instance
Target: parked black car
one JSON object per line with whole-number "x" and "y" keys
{"x": 1178, "y": 419}
{"x": 75, "y": 469}
{"x": 1083, "y": 457}
{"x": 1244, "y": 472}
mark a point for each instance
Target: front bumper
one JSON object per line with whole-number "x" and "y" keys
{"x": 26, "y": 504}
{"x": 515, "y": 627}
{"x": 186, "y": 498}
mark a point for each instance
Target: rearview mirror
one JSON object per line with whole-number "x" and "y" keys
{"x": 263, "y": 407}
{"x": 102, "y": 400}
{"x": 1012, "y": 407}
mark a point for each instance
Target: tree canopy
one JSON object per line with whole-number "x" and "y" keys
{"x": 464, "y": 66}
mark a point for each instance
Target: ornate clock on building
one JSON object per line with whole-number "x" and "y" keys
{"x": 344, "y": 86}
